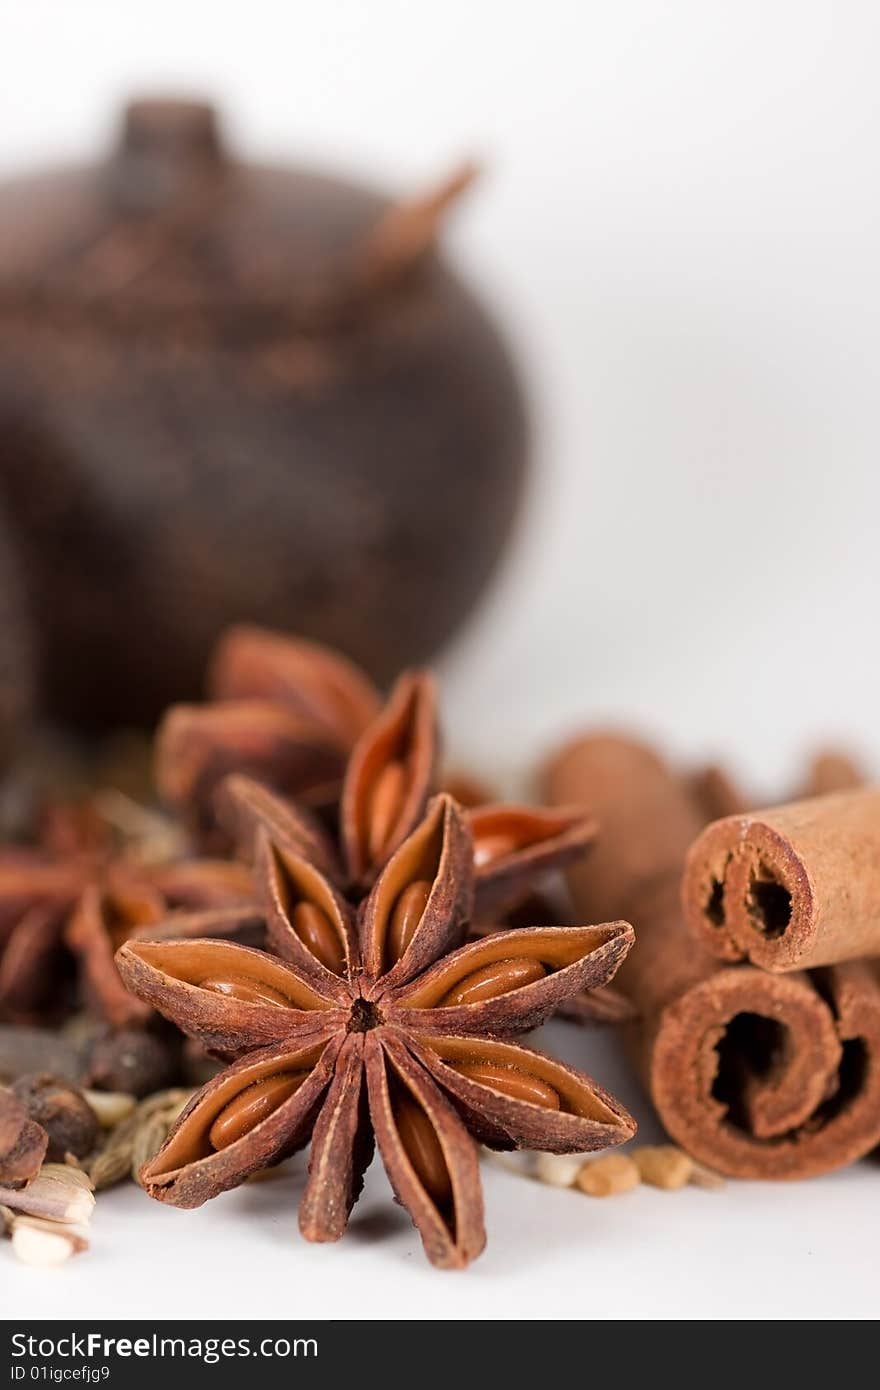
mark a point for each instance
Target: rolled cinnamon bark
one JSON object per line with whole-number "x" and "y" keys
{"x": 829, "y": 770}
{"x": 756, "y": 1075}
{"x": 647, "y": 816}
{"x": 716, "y": 793}
{"x": 791, "y": 888}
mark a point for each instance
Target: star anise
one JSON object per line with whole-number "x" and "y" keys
{"x": 83, "y": 905}
{"x": 376, "y": 1025}
{"x": 206, "y": 753}
{"x": 390, "y": 774}
{"x": 279, "y": 708}
{"x": 305, "y": 721}
{"x": 388, "y": 779}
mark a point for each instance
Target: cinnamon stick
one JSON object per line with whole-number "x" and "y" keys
{"x": 794, "y": 887}
{"x": 716, "y": 793}
{"x": 756, "y": 1075}
{"x": 647, "y": 817}
{"x": 830, "y": 770}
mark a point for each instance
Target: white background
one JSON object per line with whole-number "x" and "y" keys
{"x": 680, "y": 228}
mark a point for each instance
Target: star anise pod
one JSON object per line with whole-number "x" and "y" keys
{"x": 279, "y": 708}
{"x": 82, "y": 906}
{"x": 388, "y": 780}
{"x": 377, "y": 1025}
{"x": 389, "y": 777}
{"x": 307, "y": 722}
{"x": 206, "y": 753}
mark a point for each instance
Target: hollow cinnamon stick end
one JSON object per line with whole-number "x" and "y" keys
{"x": 705, "y": 890}
{"x": 763, "y": 1077}
{"x": 747, "y": 894}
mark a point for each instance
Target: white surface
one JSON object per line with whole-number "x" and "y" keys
{"x": 681, "y": 228}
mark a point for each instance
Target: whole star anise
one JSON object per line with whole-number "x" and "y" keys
{"x": 378, "y": 1025}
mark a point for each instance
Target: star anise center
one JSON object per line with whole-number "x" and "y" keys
{"x": 364, "y": 1016}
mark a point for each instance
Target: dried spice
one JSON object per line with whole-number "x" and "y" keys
{"x": 830, "y": 770}
{"x": 280, "y": 709}
{"x": 136, "y": 1060}
{"x": 84, "y": 904}
{"x": 388, "y": 779}
{"x": 664, "y": 1166}
{"x": 88, "y": 1053}
{"x": 23, "y": 1142}
{"x": 609, "y": 1176}
{"x": 320, "y": 684}
{"x": 705, "y": 1178}
{"x": 716, "y": 793}
{"x": 515, "y": 846}
{"x": 59, "y": 1192}
{"x": 118, "y": 1157}
{"x": 43, "y": 1243}
{"x": 755, "y": 1075}
{"x": 110, "y": 1107}
{"x": 602, "y": 1005}
{"x": 558, "y": 1170}
{"x": 377, "y": 1025}
{"x": 791, "y": 888}
{"x": 24, "y": 1048}
{"x": 154, "y": 1122}
{"x": 42, "y": 1218}
{"x": 69, "y": 1121}
{"x": 219, "y": 764}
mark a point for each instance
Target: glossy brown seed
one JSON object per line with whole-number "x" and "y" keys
{"x": 498, "y": 977}
{"x": 249, "y": 991}
{"x": 519, "y": 1085}
{"x": 405, "y": 917}
{"x": 254, "y": 1104}
{"x": 423, "y": 1149}
{"x": 488, "y": 848}
{"x": 386, "y": 801}
{"x": 314, "y": 928}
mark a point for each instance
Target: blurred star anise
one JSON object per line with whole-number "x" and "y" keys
{"x": 387, "y": 781}
{"x": 304, "y": 721}
{"x": 279, "y": 708}
{"x": 58, "y": 910}
{"x": 377, "y": 1026}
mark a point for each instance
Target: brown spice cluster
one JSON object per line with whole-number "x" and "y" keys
{"x": 354, "y": 962}
{"x": 384, "y": 1011}
{"x": 760, "y": 1068}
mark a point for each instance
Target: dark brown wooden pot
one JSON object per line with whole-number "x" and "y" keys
{"x": 232, "y": 392}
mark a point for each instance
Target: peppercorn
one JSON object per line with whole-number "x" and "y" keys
{"x": 136, "y": 1060}
{"x": 63, "y": 1112}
